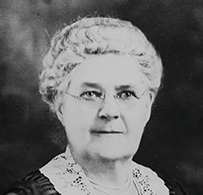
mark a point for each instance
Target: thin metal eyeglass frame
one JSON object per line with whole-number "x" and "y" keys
{"x": 116, "y": 98}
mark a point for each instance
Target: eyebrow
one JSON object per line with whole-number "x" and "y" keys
{"x": 92, "y": 85}
{"x": 117, "y": 88}
{"x": 123, "y": 87}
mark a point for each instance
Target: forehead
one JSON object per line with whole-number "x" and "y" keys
{"x": 108, "y": 70}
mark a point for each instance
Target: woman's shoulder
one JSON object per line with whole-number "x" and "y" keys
{"x": 35, "y": 183}
{"x": 159, "y": 179}
{"x": 174, "y": 186}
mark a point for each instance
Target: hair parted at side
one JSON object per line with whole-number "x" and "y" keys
{"x": 95, "y": 36}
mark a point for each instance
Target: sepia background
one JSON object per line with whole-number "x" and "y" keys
{"x": 30, "y": 135}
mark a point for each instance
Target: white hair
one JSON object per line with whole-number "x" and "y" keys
{"x": 95, "y": 36}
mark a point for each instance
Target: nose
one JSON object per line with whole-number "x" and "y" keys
{"x": 109, "y": 109}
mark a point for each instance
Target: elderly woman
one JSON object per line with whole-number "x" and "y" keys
{"x": 100, "y": 77}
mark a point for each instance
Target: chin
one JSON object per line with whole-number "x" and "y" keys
{"x": 116, "y": 153}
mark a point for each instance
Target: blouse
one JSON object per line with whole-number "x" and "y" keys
{"x": 63, "y": 176}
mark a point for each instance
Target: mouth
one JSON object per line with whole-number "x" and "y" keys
{"x": 105, "y": 132}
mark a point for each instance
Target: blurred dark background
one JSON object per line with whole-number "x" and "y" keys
{"x": 30, "y": 135}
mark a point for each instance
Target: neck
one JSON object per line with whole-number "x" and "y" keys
{"x": 107, "y": 172}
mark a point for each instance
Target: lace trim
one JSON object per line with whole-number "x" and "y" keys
{"x": 67, "y": 176}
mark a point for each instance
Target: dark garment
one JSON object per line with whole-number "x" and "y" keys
{"x": 174, "y": 186}
{"x": 38, "y": 184}
{"x": 34, "y": 184}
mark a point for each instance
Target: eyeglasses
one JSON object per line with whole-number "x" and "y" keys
{"x": 125, "y": 99}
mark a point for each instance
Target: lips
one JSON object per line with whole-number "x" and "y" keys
{"x": 105, "y": 132}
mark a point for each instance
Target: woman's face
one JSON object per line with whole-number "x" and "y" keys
{"x": 98, "y": 128}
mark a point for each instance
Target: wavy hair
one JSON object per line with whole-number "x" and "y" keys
{"x": 92, "y": 36}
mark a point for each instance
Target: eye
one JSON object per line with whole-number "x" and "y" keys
{"x": 125, "y": 95}
{"x": 90, "y": 95}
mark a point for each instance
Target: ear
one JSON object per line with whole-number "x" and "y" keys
{"x": 150, "y": 101}
{"x": 59, "y": 114}
{"x": 152, "y": 96}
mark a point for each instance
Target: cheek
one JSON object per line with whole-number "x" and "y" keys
{"x": 137, "y": 120}
{"x": 77, "y": 120}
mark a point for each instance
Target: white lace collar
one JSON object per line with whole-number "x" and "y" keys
{"x": 67, "y": 176}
